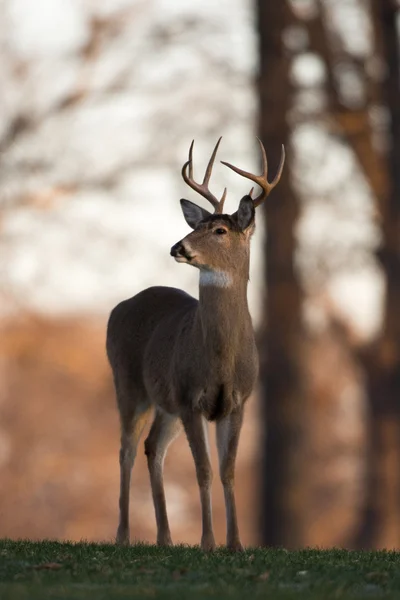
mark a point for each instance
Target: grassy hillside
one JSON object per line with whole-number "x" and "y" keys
{"x": 61, "y": 570}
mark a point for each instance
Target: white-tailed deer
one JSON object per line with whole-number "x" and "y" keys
{"x": 192, "y": 360}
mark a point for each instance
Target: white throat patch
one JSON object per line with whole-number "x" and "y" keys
{"x": 215, "y": 278}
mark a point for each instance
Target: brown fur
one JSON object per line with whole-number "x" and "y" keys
{"x": 192, "y": 360}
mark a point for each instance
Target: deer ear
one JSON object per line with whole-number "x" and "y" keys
{"x": 193, "y": 214}
{"x": 245, "y": 213}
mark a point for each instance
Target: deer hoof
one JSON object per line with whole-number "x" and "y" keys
{"x": 122, "y": 538}
{"x": 208, "y": 544}
{"x": 164, "y": 541}
{"x": 235, "y": 546}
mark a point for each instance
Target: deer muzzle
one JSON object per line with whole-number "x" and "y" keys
{"x": 180, "y": 253}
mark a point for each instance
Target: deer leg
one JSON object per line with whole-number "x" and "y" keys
{"x": 197, "y": 433}
{"x": 164, "y": 430}
{"x": 228, "y": 431}
{"x": 132, "y": 426}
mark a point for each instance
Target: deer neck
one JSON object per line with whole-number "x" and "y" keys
{"x": 223, "y": 313}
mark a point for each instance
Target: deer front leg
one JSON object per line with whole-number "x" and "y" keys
{"x": 164, "y": 430}
{"x": 197, "y": 433}
{"x": 228, "y": 432}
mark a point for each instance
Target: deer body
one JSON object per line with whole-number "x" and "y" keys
{"x": 192, "y": 360}
{"x": 161, "y": 355}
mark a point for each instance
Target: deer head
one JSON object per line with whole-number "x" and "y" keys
{"x": 220, "y": 243}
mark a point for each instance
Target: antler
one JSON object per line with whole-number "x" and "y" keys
{"x": 261, "y": 180}
{"x": 202, "y": 188}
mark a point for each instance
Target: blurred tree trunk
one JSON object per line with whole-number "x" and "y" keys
{"x": 352, "y": 123}
{"x": 280, "y": 351}
{"x": 380, "y": 522}
{"x": 284, "y": 343}
{"x": 379, "y": 517}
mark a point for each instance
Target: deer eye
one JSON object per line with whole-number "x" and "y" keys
{"x": 220, "y": 231}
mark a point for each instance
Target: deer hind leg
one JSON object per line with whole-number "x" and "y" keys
{"x": 197, "y": 433}
{"x": 228, "y": 431}
{"x": 164, "y": 430}
{"x": 132, "y": 425}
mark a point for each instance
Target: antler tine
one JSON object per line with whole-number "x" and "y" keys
{"x": 190, "y": 161}
{"x": 261, "y": 180}
{"x": 264, "y": 159}
{"x": 202, "y": 188}
{"x": 222, "y": 201}
{"x": 280, "y": 168}
{"x": 210, "y": 165}
{"x": 267, "y": 189}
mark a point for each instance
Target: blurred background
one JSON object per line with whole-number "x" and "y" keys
{"x": 99, "y": 101}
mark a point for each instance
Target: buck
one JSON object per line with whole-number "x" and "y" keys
{"x": 191, "y": 360}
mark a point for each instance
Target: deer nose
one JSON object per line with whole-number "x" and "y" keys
{"x": 177, "y": 249}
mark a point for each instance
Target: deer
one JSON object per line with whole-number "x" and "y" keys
{"x": 189, "y": 361}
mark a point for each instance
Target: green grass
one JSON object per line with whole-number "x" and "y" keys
{"x": 30, "y": 570}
